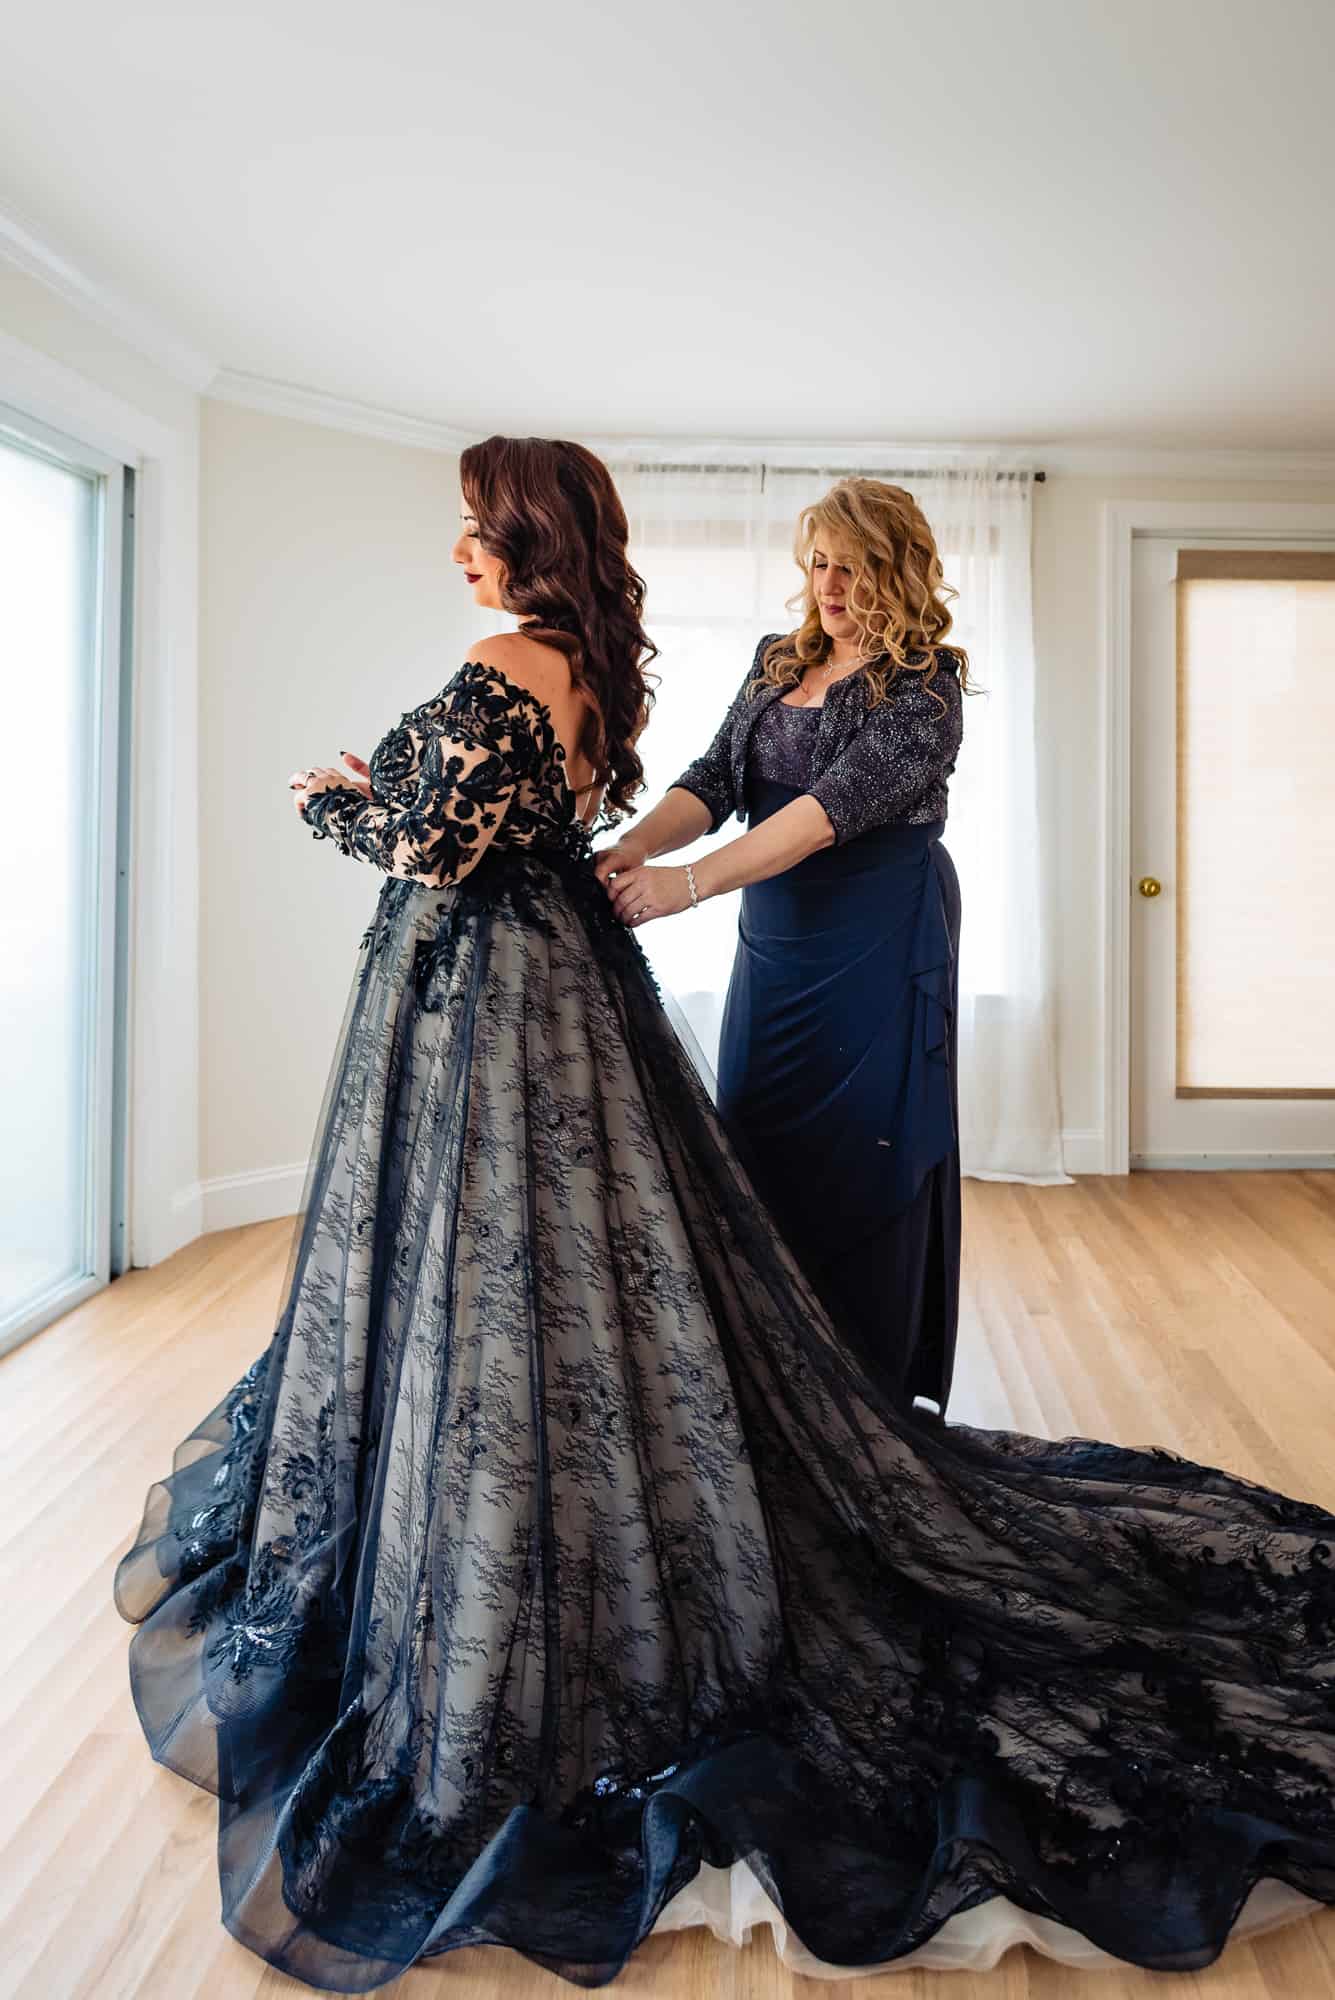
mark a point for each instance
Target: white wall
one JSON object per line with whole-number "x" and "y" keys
{"x": 329, "y": 605}
{"x": 32, "y": 312}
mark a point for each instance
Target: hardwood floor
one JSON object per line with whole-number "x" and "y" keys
{"x": 1195, "y": 1311}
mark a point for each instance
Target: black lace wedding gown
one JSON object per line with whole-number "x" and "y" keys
{"x": 555, "y": 1549}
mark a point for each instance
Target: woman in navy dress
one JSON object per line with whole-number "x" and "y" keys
{"x": 837, "y": 1059}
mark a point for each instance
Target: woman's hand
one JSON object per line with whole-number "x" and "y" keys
{"x": 615, "y": 860}
{"x": 639, "y": 894}
{"x": 325, "y": 778}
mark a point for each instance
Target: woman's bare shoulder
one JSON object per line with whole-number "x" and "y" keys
{"x": 543, "y": 669}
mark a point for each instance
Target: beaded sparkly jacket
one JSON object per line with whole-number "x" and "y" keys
{"x": 872, "y": 765}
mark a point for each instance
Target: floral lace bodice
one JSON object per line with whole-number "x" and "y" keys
{"x": 479, "y": 762}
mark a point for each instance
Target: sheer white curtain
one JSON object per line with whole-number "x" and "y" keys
{"x": 712, "y": 536}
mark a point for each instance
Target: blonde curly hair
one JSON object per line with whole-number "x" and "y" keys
{"x": 898, "y": 593}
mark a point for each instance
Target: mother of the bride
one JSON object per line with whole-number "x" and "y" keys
{"x": 837, "y": 1059}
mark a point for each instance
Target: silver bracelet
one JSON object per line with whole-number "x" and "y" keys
{"x": 690, "y": 884}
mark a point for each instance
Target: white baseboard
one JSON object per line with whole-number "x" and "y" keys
{"x": 1234, "y": 1163}
{"x": 1083, "y": 1153}
{"x": 263, "y": 1195}
{"x": 1082, "y": 1150}
{"x": 268, "y": 1193}
{"x": 186, "y": 1220}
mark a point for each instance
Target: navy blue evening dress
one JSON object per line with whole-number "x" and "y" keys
{"x": 837, "y": 1057}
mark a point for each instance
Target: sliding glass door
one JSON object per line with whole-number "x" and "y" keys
{"x": 62, "y": 549}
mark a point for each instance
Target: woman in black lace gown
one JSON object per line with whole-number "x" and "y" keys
{"x": 555, "y": 1557}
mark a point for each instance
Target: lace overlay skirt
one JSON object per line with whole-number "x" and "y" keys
{"x": 554, "y": 1550}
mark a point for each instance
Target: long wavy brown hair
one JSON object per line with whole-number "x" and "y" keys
{"x": 898, "y": 597}
{"x": 549, "y": 510}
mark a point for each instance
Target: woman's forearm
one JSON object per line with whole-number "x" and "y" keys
{"x": 779, "y": 842}
{"x": 677, "y": 820}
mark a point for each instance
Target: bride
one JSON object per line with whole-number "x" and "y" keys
{"x": 556, "y": 1572}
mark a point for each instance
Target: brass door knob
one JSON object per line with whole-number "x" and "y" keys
{"x": 1148, "y": 886}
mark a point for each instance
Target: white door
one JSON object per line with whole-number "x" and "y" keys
{"x": 1232, "y": 854}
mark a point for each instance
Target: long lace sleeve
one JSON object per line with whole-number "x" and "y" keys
{"x": 906, "y": 747}
{"x": 455, "y": 782}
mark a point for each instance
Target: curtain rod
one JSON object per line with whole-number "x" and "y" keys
{"x": 837, "y": 471}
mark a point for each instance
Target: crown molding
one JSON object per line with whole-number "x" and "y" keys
{"x": 1111, "y": 461}
{"x": 1093, "y": 460}
{"x": 341, "y": 413}
{"x": 32, "y": 252}
{"x": 1106, "y": 461}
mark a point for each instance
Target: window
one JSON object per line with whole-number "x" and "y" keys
{"x": 1256, "y": 823}
{"x": 715, "y": 547}
{"x": 62, "y": 543}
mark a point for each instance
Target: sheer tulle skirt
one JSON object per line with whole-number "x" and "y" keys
{"x": 555, "y": 1546}
{"x": 733, "y": 1904}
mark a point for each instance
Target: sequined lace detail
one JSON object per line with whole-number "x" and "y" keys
{"x": 783, "y": 743}
{"x": 878, "y": 765}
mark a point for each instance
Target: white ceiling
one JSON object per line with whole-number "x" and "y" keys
{"x": 987, "y": 220}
